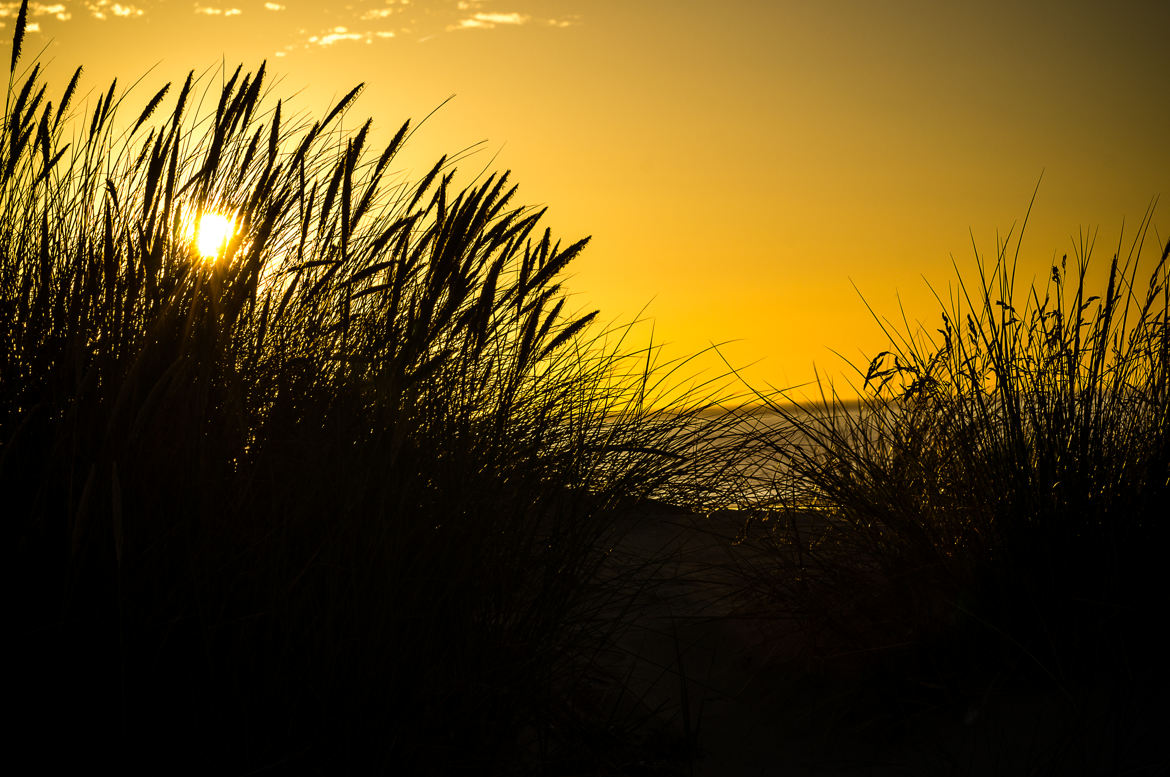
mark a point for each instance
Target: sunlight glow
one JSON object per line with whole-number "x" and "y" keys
{"x": 210, "y": 234}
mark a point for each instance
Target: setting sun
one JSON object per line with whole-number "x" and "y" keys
{"x": 210, "y": 234}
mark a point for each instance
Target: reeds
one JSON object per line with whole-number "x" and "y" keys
{"x": 331, "y": 499}
{"x": 993, "y": 510}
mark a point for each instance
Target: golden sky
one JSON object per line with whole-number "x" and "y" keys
{"x": 740, "y": 164}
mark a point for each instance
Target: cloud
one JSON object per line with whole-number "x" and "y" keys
{"x": 208, "y": 10}
{"x": 502, "y": 18}
{"x": 487, "y": 21}
{"x": 387, "y": 11}
{"x": 343, "y": 34}
{"x": 338, "y": 34}
{"x": 274, "y": 6}
{"x": 104, "y": 9}
{"x": 56, "y": 10}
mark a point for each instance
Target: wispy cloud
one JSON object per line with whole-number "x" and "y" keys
{"x": 343, "y": 34}
{"x": 502, "y": 18}
{"x": 101, "y": 10}
{"x": 320, "y": 24}
{"x": 338, "y": 34}
{"x": 209, "y": 10}
{"x": 97, "y": 9}
{"x": 486, "y": 20}
{"x": 389, "y": 8}
{"x": 104, "y": 9}
{"x": 420, "y": 20}
{"x": 58, "y": 11}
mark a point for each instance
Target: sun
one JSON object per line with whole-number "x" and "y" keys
{"x": 213, "y": 233}
{"x": 210, "y": 233}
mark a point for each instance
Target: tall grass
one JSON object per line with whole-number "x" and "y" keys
{"x": 995, "y": 506}
{"x": 332, "y": 499}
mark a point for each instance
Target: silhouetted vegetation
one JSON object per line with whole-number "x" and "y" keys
{"x": 333, "y": 498}
{"x": 992, "y": 515}
{"x": 343, "y": 494}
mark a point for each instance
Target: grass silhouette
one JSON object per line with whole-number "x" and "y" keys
{"x": 331, "y": 499}
{"x": 991, "y": 514}
{"x": 342, "y": 494}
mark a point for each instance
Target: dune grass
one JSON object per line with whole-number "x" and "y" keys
{"x": 992, "y": 513}
{"x": 332, "y": 499}
{"x": 339, "y": 497}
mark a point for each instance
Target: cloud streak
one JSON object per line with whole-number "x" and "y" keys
{"x": 487, "y": 21}
{"x": 104, "y": 9}
{"x": 208, "y": 10}
{"x": 58, "y": 11}
{"x": 340, "y": 35}
{"x": 307, "y": 26}
{"x": 389, "y": 9}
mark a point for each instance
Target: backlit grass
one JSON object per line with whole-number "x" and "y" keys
{"x": 992, "y": 515}
{"x": 310, "y": 465}
{"x": 324, "y": 490}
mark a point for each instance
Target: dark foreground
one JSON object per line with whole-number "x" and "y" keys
{"x": 738, "y": 687}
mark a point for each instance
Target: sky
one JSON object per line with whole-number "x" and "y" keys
{"x": 748, "y": 170}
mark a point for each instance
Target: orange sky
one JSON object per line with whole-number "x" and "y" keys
{"x": 738, "y": 163}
